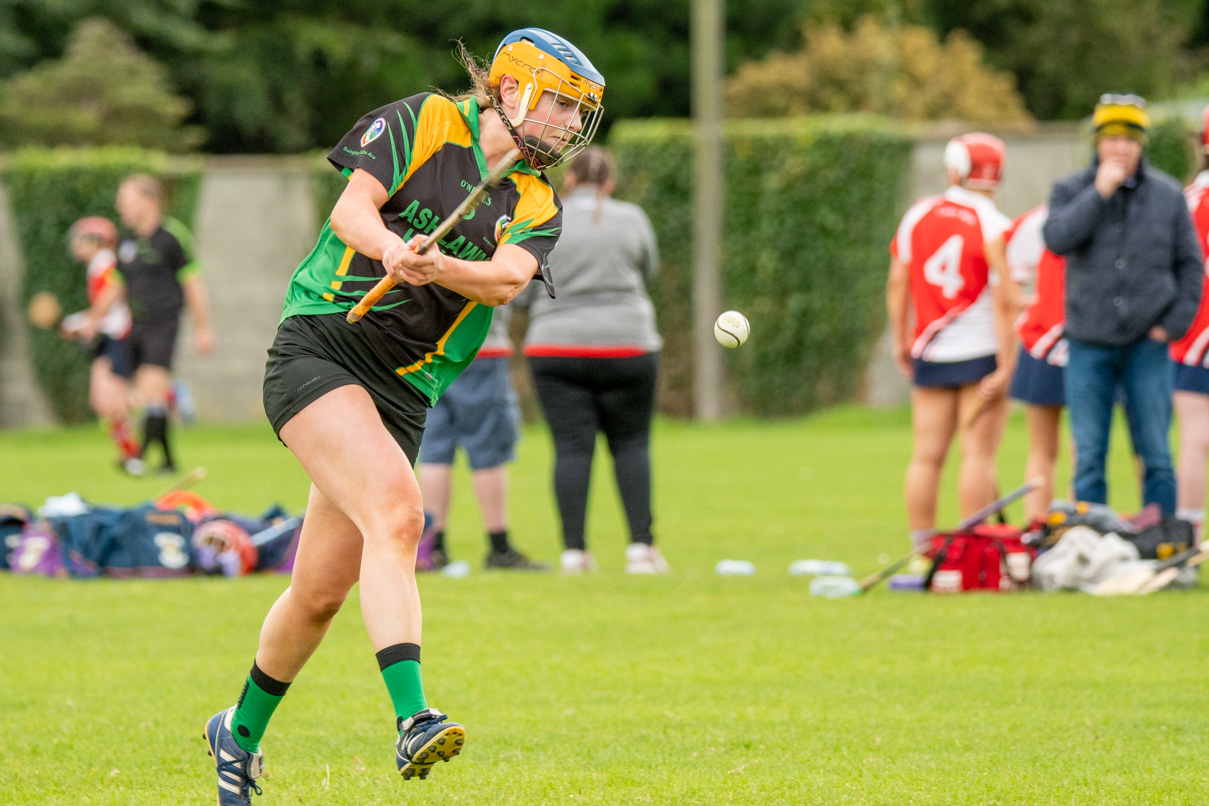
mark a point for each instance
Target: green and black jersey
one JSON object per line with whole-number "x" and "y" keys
{"x": 425, "y": 152}
{"x": 153, "y": 269}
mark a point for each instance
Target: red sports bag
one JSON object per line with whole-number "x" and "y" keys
{"x": 985, "y": 557}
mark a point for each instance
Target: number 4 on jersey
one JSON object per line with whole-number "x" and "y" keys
{"x": 943, "y": 269}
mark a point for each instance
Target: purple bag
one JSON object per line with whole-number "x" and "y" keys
{"x": 38, "y": 551}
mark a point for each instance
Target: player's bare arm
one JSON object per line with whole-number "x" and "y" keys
{"x": 1005, "y": 305}
{"x": 356, "y": 220}
{"x": 896, "y": 308}
{"x": 198, "y": 303}
{"x": 91, "y": 321}
{"x": 489, "y": 282}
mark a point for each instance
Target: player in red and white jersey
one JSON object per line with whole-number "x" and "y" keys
{"x": 1038, "y": 381}
{"x": 948, "y": 273}
{"x": 1191, "y": 357}
{"x": 104, "y": 325}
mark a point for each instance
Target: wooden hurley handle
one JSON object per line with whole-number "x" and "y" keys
{"x": 183, "y": 483}
{"x": 472, "y": 201}
{"x": 370, "y": 300}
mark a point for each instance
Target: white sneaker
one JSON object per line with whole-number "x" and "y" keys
{"x": 576, "y": 561}
{"x": 641, "y": 558}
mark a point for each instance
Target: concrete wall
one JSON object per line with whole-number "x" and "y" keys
{"x": 256, "y": 220}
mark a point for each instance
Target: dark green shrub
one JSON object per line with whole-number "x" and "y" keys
{"x": 48, "y": 190}
{"x": 810, "y": 207}
{"x": 1172, "y": 148}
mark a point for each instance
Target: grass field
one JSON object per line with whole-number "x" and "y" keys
{"x": 692, "y": 689}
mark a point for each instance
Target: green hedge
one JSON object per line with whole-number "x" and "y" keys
{"x": 1172, "y": 148}
{"x": 810, "y": 207}
{"x": 51, "y": 188}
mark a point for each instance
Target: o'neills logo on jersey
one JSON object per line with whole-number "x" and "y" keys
{"x": 373, "y": 132}
{"x": 501, "y": 224}
{"x": 128, "y": 251}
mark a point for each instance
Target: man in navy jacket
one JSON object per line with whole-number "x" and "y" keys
{"x": 1134, "y": 271}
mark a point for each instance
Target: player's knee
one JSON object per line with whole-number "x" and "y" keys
{"x": 397, "y": 524}
{"x": 928, "y": 458}
{"x": 320, "y": 606}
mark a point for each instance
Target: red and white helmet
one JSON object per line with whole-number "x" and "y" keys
{"x": 977, "y": 158}
{"x": 102, "y": 229}
{"x": 224, "y": 545}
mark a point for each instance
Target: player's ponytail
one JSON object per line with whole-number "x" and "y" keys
{"x": 480, "y": 83}
{"x": 594, "y": 166}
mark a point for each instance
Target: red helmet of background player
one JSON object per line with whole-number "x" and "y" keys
{"x": 977, "y": 158}
{"x": 95, "y": 227}
{"x": 1205, "y": 128}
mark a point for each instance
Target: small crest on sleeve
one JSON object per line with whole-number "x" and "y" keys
{"x": 501, "y": 224}
{"x": 373, "y": 132}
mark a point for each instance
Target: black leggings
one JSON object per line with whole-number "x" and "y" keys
{"x": 581, "y": 396}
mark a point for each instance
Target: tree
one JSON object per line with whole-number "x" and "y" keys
{"x": 1066, "y": 54}
{"x": 900, "y": 71}
{"x": 295, "y": 74}
{"x": 102, "y": 92}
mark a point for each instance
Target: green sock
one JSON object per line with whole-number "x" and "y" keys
{"x": 400, "y": 665}
{"x": 259, "y": 699}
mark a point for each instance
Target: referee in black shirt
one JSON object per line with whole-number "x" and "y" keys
{"x": 160, "y": 277}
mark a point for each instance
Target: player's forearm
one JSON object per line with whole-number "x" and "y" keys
{"x": 896, "y": 305}
{"x": 198, "y": 303}
{"x": 1005, "y": 331}
{"x": 488, "y": 282}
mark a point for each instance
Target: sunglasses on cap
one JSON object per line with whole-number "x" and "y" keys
{"x": 1128, "y": 99}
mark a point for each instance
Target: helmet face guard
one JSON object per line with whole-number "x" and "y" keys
{"x": 558, "y": 88}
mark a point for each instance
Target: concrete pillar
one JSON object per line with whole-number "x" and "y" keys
{"x": 22, "y": 403}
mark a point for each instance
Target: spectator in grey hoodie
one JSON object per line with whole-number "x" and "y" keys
{"x": 1133, "y": 282}
{"x": 594, "y": 353}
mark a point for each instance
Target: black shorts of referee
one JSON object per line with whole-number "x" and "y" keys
{"x": 153, "y": 342}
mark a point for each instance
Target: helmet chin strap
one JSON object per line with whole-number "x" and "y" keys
{"x": 534, "y": 151}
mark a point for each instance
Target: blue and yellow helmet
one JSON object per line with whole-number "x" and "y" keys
{"x": 541, "y": 62}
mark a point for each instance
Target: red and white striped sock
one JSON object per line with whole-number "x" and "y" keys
{"x": 123, "y": 437}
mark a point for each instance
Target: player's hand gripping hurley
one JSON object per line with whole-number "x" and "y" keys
{"x": 491, "y": 181}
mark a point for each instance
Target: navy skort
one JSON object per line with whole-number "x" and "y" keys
{"x": 118, "y": 353}
{"x": 953, "y": 374}
{"x": 1191, "y": 379}
{"x": 1037, "y": 382}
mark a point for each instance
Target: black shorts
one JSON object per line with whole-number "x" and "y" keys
{"x": 153, "y": 343}
{"x": 312, "y": 355}
{"x": 118, "y": 353}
